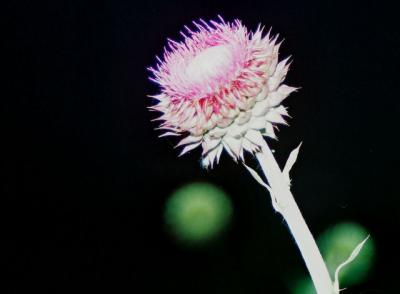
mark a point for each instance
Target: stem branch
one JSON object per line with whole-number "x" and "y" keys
{"x": 297, "y": 225}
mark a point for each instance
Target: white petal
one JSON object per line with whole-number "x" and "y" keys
{"x": 211, "y": 156}
{"x": 251, "y": 100}
{"x": 210, "y": 145}
{"x": 275, "y": 98}
{"x": 189, "y": 148}
{"x": 190, "y": 123}
{"x": 290, "y": 89}
{"x": 282, "y": 65}
{"x": 285, "y": 89}
{"x": 249, "y": 146}
{"x": 205, "y": 162}
{"x": 168, "y": 134}
{"x": 163, "y": 127}
{"x": 233, "y": 144}
{"x": 275, "y": 117}
{"x": 224, "y": 122}
{"x": 272, "y": 66}
{"x": 217, "y": 132}
{"x": 279, "y": 75}
{"x": 241, "y": 104}
{"x": 255, "y": 137}
{"x": 219, "y": 152}
{"x": 273, "y": 83}
{"x": 210, "y": 124}
{"x": 231, "y": 154}
{"x": 241, "y": 155}
{"x": 243, "y": 118}
{"x": 237, "y": 131}
{"x": 282, "y": 110}
{"x": 263, "y": 94}
{"x": 261, "y": 108}
{"x": 270, "y": 131}
{"x": 159, "y": 97}
{"x": 257, "y": 123}
{"x": 233, "y": 112}
{"x": 189, "y": 140}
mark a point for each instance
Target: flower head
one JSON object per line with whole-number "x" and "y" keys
{"x": 222, "y": 88}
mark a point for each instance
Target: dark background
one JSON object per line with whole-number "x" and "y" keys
{"x": 84, "y": 177}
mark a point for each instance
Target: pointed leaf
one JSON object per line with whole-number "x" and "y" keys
{"x": 290, "y": 162}
{"x": 352, "y": 256}
{"x": 257, "y": 177}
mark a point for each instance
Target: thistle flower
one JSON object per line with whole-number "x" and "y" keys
{"x": 221, "y": 88}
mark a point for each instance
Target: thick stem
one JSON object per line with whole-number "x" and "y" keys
{"x": 297, "y": 225}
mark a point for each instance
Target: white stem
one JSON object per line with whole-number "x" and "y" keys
{"x": 297, "y": 225}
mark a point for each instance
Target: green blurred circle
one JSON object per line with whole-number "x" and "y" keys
{"x": 197, "y": 213}
{"x": 336, "y": 245}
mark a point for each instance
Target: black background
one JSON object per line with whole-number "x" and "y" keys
{"x": 84, "y": 176}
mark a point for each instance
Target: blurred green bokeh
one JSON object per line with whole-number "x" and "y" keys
{"x": 303, "y": 286}
{"x": 336, "y": 245}
{"x": 197, "y": 213}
